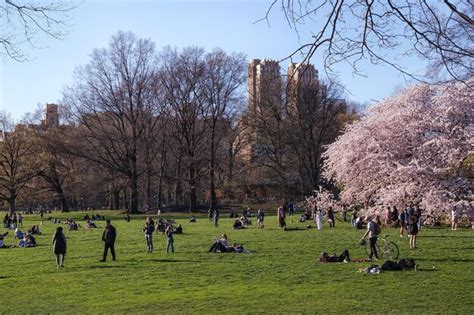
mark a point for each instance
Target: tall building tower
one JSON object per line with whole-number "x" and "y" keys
{"x": 264, "y": 84}
{"x": 51, "y": 118}
{"x": 264, "y": 91}
{"x": 299, "y": 76}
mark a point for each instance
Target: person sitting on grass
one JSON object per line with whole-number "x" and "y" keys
{"x": 359, "y": 224}
{"x": 90, "y": 224}
{"x": 35, "y": 230}
{"x": 19, "y": 234}
{"x": 73, "y": 225}
{"x": 27, "y": 241}
{"x": 179, "y": 229}
{"x": 193, "y": 219}
{"x": 2, "y": 237}
{"x": 238, "y": 224}
{"x": 220, "y": 244}
{"x": 343, "y": 257}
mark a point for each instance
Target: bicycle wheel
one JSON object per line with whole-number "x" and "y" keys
{"x": 391, "y": 251}
{"x": 367, "y": 249}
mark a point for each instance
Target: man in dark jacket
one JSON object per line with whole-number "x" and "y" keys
{"x": 108, "y": 237}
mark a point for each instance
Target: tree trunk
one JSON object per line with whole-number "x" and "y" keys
{"x": 134, "y": 194}
{"x": 116, "y": 199}
{"x": 63, "y": 200}
{"x": 192, "y": 188}
{"x": 11, "y": 204}
{"x": 212, "y": 173}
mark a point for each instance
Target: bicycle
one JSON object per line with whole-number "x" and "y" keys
{"x": 385, "y": 248}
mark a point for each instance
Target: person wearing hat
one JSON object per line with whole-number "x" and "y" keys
{"x": 372, "y": 233}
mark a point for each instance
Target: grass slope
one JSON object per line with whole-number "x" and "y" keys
{"x": 279, "y": 276}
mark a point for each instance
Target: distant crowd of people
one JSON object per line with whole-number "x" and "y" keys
{"x": 409, "y": 220}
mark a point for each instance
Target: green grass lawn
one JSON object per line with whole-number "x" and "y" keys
{"x": 281, "y": 274}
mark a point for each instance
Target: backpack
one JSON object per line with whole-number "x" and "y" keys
{"x": 378, "y": 229}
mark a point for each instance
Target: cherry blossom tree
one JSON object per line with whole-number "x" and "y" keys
{"x": 411, "y": 148}
{"x": 323, "y": 199}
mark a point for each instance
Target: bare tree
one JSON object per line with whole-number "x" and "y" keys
{"x": 16, "y": 168}
{"x": 441, "y": 32}
{"x": 182, "y": 77}
{"x": 114, "y": 103}
{"x": 268, "y": 135}
{"x": 315, "y": 119}
{"x": 224, "y": 76}
{"x": 24, "y": 23}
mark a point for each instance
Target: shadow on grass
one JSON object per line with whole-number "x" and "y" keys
{"x": 448, "y": 236}
{"x": 445, "y": 259}
{"x": 166, "y": 260}
{"x": 425, "y": 269}
{"x": 288, "y": 229}
{"x": 104, "y": 267}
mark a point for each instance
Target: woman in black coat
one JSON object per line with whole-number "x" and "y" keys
{"x": 59, "y": 246}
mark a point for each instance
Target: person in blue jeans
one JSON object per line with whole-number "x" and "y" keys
{"x": 149, "y": 229}
{"x": 169, "y": 239}
{"x": 372, "y": 233}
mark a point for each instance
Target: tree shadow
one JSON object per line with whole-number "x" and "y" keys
{"x": 463, "y": 260}
{"x": 104, "y": 267}
{"x": 448, "y": 236}
{"x": 167, "y": 260}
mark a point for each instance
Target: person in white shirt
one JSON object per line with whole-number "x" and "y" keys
{"x": 372, "y": 233}
{"x": 454, "y": 219}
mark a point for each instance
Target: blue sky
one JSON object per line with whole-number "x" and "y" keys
{"x": 207, "y": 23}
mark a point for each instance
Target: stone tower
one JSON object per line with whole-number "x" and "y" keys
{"x": 51, "y": 118}
{"x": 264, "y": 84}
{"x": 299, "y": 75}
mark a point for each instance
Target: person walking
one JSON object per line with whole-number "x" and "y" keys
{"x": 215, "y": 217}
{"x": 412, "y": 229}
{"x": 281, "y": 215}
{"x": 149, "y": 229}
{"x": 344, "y": 213}
{"x": 454, "y": 219}
{"x": 319, "y": 218}
{"x": 169, "y": 238}
{"x": 108, "y": 237}
{"x": 331, "y": 218}
{"x": 372, "y": 233}
{"x": 59, "y": 246}
{"x": 260, "y": 218}
{"x": 403, "y": 221}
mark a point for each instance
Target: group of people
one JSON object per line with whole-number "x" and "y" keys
{"x": 165, "y": 227}
{"x": 11, "y": 222}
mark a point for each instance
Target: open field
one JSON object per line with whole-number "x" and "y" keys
{"x": 279, "y": 276}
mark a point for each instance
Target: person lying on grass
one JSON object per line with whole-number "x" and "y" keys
{"x": 222, "y": 245}
{"x": 343, "y": 257}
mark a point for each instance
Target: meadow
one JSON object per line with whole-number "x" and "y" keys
{"x": 280, "y": 275}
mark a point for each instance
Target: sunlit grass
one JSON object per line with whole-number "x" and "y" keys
{"x": 280, "y": 275}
